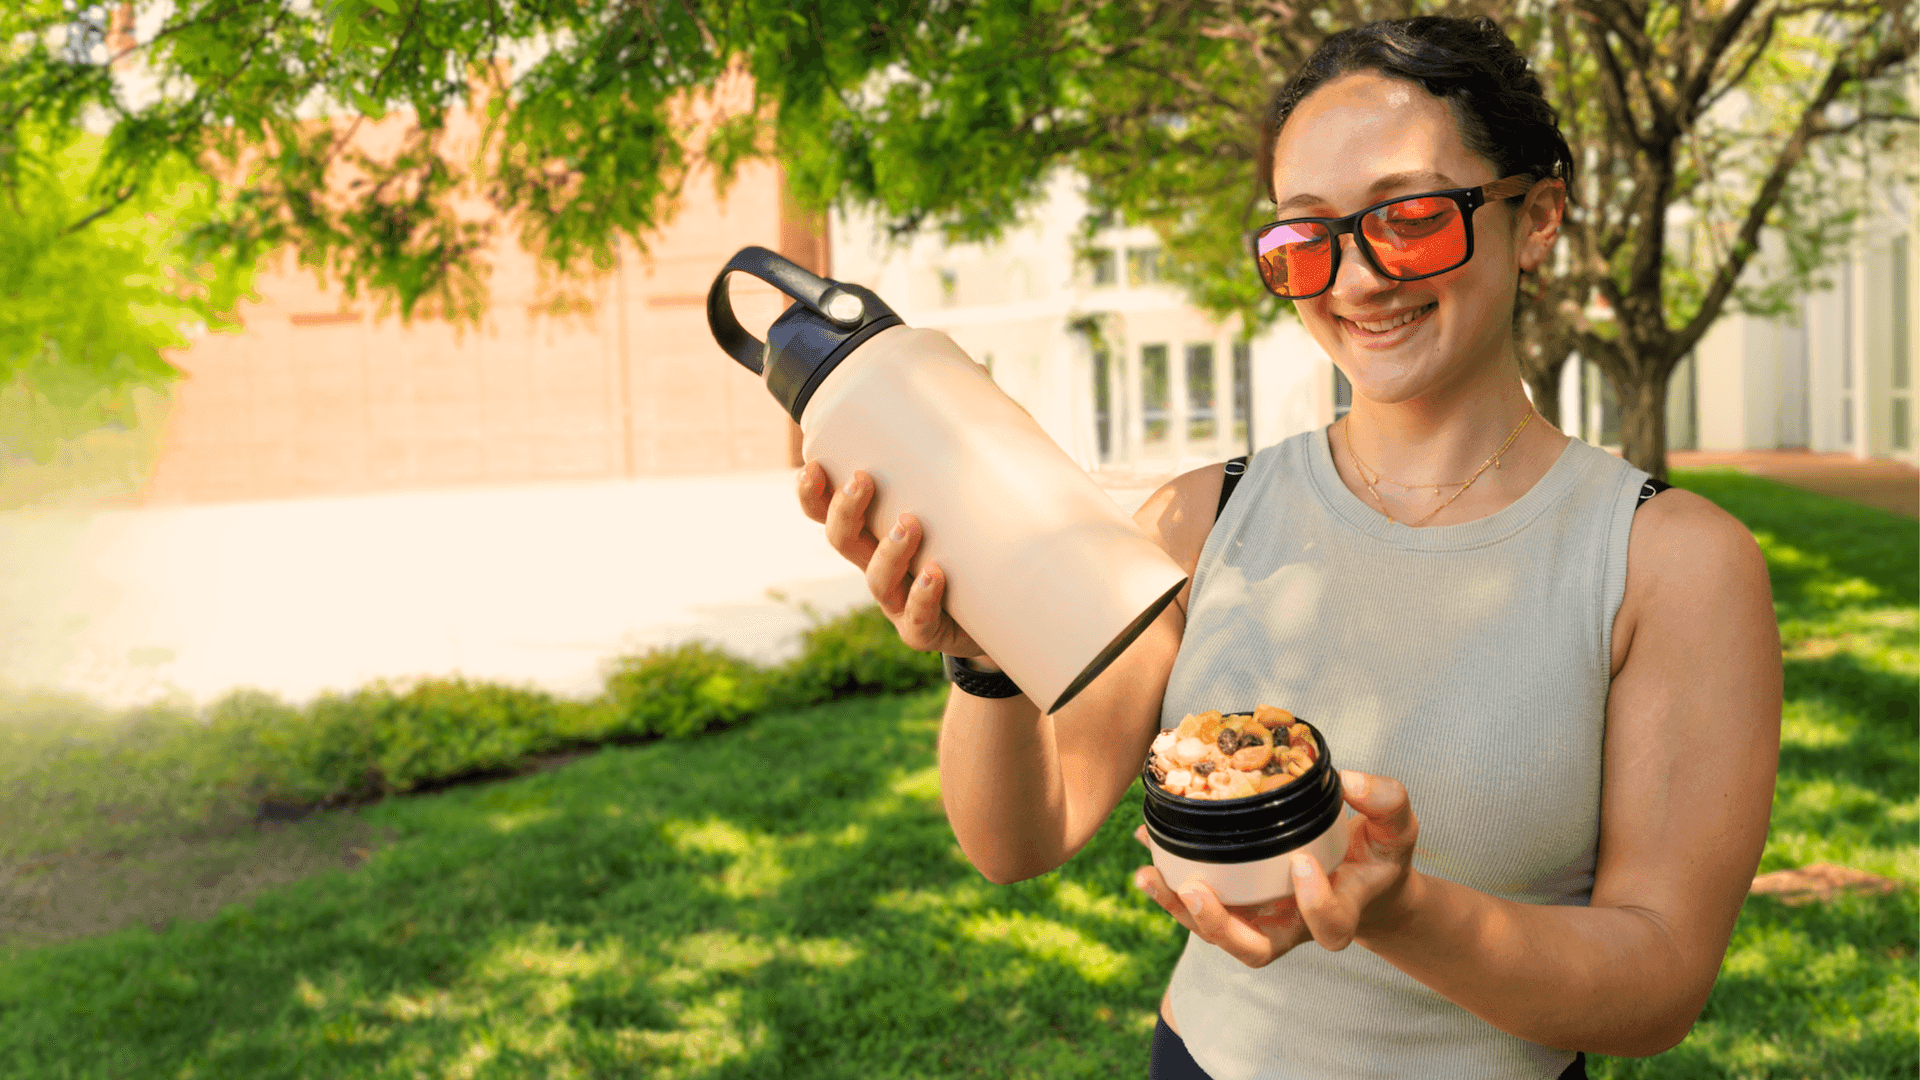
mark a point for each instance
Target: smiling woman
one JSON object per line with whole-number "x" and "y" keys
{"x": 1558, "y": 711}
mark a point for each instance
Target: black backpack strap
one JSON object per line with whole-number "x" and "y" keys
{"x": 1235, "y": 469}
{"x": 1647, "y": 491}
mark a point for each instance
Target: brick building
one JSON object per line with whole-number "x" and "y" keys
{"x": 319, "y": 396}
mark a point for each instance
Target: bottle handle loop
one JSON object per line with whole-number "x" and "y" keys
{"x": 802, "y": 285}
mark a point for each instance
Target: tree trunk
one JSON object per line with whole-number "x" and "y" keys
{"x": 1643, "y": 420}
{"x": 1545, "y": 386}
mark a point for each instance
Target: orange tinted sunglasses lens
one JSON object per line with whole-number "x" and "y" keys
{"x": 1416, "y": 237}
{"x": 1295, "y": 260}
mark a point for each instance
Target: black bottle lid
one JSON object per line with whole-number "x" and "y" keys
{"x": 828, "y": 320}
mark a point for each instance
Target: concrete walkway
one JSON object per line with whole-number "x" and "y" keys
{"x": 536, "y": 584}
{"x": 1878, "y": 482}
{"x": 532, "y": 584}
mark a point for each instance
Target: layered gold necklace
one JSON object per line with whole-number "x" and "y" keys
{"x": 1363, "y": 469}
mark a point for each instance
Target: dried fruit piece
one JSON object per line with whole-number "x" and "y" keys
{"x": 1271, "y": 716}
{"x": 1252, "y": 758}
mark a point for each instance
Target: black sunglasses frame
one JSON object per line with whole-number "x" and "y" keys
{"x": 1468, "y": 199}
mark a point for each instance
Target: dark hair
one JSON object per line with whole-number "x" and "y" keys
{"x": 1468, "y": 63}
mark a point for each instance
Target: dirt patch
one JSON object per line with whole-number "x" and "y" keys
{"x": 1820, "y": 881}
{"x": 73, "y": 895}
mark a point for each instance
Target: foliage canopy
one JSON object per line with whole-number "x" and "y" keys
{"x": 592, "y": 116}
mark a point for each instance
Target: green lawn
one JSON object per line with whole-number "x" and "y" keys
{"x": 785, "y": 900}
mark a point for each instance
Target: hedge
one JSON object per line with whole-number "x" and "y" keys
{"x": 251, "y": 753}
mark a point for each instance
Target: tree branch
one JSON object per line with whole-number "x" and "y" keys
{"x": 1724, "y": 33}
{"x": 1762, "y": 40}
{"x": 120, "y": 198}
{"x": 1823, "y": 130}
{"x": 1838, "y": 76}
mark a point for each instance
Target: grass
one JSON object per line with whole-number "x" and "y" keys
{"x": 785, "y": 900}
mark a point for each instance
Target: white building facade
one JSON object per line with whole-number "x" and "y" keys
{"x": 1838, "y": 377}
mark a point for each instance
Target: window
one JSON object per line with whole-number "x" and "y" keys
{"x": 1342, "y": 394}
{"x": 1153, "y": 392}
{"x": 949, "y": 286}
{"x": 1200, "y": 423}
{"x": 1100, "y": 264}
{"x": 1102, "y": 404}
{"x": 1902, "y": 342}
{"x": 1143, "y": 266}
{"x": 1846, "y": 360}
{"x": 1243, "y": 394}
{"x": 1902, "y": 348}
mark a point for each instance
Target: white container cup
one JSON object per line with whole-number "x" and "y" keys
{"x": 1261, "y": 881}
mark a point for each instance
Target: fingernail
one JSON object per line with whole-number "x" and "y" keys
{"x": 1355, "y": 782}
{"x": 1143, "y": 883}
{"x": 1300, "y": 870}
{"x": 1192, "y": 900}
{"x": 926, "y": 576}
{"x": 852, "y": 483}
{"x": 899, "y": 532}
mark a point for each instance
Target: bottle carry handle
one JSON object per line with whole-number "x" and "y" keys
{"x": 802, "y": 285}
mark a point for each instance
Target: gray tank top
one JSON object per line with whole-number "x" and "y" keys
{"x": 1470, "y": 662}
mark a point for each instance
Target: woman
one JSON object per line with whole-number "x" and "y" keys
{"x": 1559, "y": 707}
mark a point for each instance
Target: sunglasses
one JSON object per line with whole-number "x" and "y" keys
{"x": 1405, "y": 239}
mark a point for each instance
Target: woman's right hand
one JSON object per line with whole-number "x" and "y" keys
{"x": 912, "y": 605}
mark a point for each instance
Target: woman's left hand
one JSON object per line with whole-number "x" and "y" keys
{"x": 1365, "y": 891}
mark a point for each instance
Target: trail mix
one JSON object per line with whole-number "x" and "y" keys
{"x": 1210, "y": 756}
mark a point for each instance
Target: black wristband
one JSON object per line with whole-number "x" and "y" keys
{"x": 971, "y": 680}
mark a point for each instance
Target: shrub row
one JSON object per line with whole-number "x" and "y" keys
{"x": 251, "y": 750}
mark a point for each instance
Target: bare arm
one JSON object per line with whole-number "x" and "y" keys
{"x": 1023, "y": 790}
{"x": 1692, "y": 744}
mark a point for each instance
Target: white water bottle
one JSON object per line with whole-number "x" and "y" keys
{"x": 1043, "y": 569}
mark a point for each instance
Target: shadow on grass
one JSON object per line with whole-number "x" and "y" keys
{"x": 782, "y": 900}
{"x": 1871, "y": 712}
{"x": 1840, "y": 537}
{"x": 1815, "y": 990}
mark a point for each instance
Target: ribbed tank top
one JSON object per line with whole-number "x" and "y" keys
{"x": 1471, "y": 663}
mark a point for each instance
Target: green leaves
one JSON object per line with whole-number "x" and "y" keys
{"x": 96, "y": 284}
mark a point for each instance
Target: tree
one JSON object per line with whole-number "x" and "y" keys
{"x": 935, "y": 114}
{"x": 1664, "y": 67}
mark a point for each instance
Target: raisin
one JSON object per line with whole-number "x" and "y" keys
{"x": 1273, "y": 765}
{"x": 1228, "y": 742}
{"x": 1203, "y": 769}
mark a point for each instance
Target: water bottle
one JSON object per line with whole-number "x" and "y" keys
{"x": 1043, "y": 569}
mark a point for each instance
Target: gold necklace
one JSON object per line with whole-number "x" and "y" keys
{"x": 1363, "y": 468}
